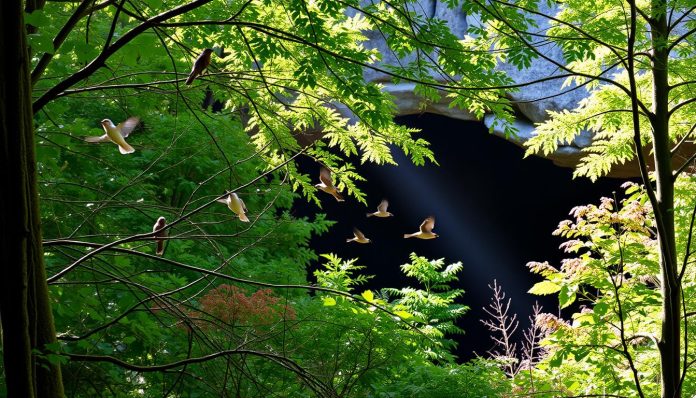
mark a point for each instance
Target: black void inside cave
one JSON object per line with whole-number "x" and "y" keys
{"x": 494, "y": 211}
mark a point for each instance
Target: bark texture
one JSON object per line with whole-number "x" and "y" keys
{"x": 27, "y": 322}
{"x": 669, "y": 342}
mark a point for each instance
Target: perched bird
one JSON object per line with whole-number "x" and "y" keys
{"x": 359, "y": 237}
{"x": 159, "y": 225}
{"x": 426, "y": 230}
{"x": 201, "y": 63}
{"x": 236, "y": 204}
{"x": 381, "y": 210}
{"x": 117, "y": 134}
{"x": 326, "y": 184}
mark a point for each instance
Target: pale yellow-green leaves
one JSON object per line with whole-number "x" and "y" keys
{"x": 544, "y": 288}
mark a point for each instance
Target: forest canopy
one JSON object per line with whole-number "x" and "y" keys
{"x": 128, "y": 122}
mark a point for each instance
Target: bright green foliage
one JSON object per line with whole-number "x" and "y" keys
{"x": 208, "y": 318}
{"x": 544, "y": 287}
{"x": 613, "y": 272}
{"x": 433, "y": 307}
{"x": 136, "y": 308}
{"x": 605, "y": 113}
{"x": 294, "y": 346}
{"x": 476, "y": 379}
{"x": 129, "y": 304}
{"x": 635, "y": 59}
{"x": 593, "y": 37}
{"x": 340, "y": 275}
{"x": 407, "y": 352}
{"x": 288, "y": 67}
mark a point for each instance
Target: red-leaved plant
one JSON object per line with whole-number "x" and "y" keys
{"x": 234, "y": 306}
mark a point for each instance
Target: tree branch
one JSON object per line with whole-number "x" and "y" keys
{"x": 46, "y": 58}
{"x": 100, "y": 60}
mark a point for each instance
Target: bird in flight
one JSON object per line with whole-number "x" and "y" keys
{"x": 159, "y": 225}
{"x": 199, "y": 65}
{"x": 117, "y": 134}
{"x": 426, "y": 230}
{"x": 236, "y": 204}
{"x": 381, "y": 210}
{"x": 359, "y": 237}
{"x": 326, "y": 184}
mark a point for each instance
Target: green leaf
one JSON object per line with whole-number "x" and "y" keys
{"x": 41, "y": 43}
{"x": 328, "y": 301}
{"x": 566, "y": 296}
{"x": 557, "y": 359}
{"x": 579, "y": 354}
{"x": 37, "y": 19}
{"x": 84, "y": 52}
{"x": 601, "y": 308}
{"x": 57, "y": 359}
{"x": 544, "y": 288}
{"x": 122, "y": 261}
{"x": 154, "y": 4}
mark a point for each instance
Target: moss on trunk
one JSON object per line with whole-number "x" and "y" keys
{"x": 27, "y": 321}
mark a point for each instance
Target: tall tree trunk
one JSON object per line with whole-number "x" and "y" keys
{"x": 27, "y": 322}
{"x": 669, "y": 344}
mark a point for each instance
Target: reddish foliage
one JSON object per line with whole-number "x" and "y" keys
{"x": 235, "y": 306}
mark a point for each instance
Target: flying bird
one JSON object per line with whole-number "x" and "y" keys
{"x": 220, "y": 52}
{"x": 426, "y": 230}
{"x": 117, "y": 134}
{"x": 326, "y": 184}
{"x": 161, "y": 233}
{"x": 381, "y": 210}
{"x": 359, "y": 237}
{"x": 199, "y": 65}
{"x": 236, "y": 204}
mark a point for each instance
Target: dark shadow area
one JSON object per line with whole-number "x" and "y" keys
{"x": 494, "y": 211}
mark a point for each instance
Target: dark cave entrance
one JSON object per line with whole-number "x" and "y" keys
{"x": 494, "y": 211}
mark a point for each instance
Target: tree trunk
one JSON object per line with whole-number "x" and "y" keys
{"x": 669, "y": 344}
{"x": 27, "y": 322}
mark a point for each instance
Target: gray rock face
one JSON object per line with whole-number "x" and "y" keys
{"x": 525, "y": 130}
{"x": 408, "y": 103}
{"x": 535, "y": 100}
{"x": 456, "y": 18}
{"x": 532, "y": 101}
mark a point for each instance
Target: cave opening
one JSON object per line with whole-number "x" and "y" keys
{"x": 494, "y": 212}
